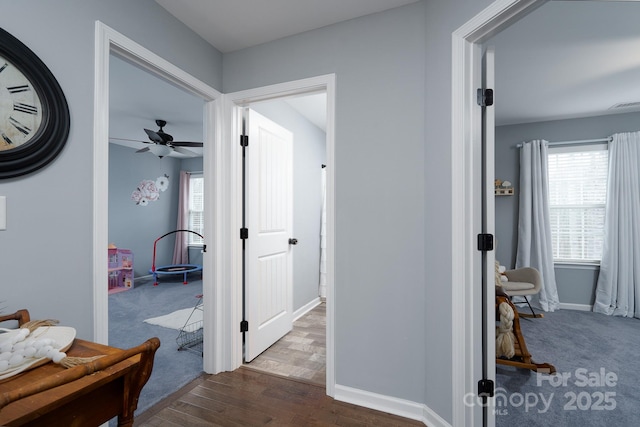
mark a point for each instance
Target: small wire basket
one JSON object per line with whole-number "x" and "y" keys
{"x": 190, "y": 336}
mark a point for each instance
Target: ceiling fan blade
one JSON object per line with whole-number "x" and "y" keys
{"x": 142, "y": 150}
{"x": 153, "y": 136}
{"x": 186, "y": 144}
{"x": 131, "y": 140}
{"x": 185, "y": 151}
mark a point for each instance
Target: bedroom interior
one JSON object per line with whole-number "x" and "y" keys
{"x": 545, "y": 61}
{"x": 136, "y": 101}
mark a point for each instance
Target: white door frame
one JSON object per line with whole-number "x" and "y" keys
{"x": 108, "y": 41}
{"x": 466, "y": 169}
{"x": 233, "y": 104}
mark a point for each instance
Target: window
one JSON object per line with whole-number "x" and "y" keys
{"x": 577, "y": 197}
{"x": 196, "y": 208}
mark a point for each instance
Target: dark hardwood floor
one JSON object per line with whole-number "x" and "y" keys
{"x": 246, "y": 397}
{"x": 284, "y": 386}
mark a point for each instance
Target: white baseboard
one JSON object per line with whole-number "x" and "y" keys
{"x": 392, "y": 405}
{"x": 577, "y": 307}
{"x": 306, "y": 308}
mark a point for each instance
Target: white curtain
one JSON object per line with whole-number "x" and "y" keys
{"x": 618, "y": 288}
{"x": 534, "y": 230}
{"x": 322, "y": 288}
{"x": 181, "y": 248}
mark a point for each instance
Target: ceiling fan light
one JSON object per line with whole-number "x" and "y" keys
{"x": 160, "y": 150}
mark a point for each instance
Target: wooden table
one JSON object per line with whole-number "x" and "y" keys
{"x": 91, "y": 394}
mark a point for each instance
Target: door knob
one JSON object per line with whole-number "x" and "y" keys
{"x": 293, "y": 241}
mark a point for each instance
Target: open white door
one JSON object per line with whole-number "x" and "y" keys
{"x": 486, "y": 99}
{"x": 269, "y": 210}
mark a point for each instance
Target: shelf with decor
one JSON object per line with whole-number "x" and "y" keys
{"x": 504, "y": 191}
{"x": 503, "y": 188}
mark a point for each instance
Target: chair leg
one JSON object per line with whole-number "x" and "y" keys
{"x": 533, "y": 313}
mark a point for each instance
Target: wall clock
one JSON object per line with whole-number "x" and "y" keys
{"x": 34, "y": 115}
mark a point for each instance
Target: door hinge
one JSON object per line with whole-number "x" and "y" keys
{"x": 244, "y": 326}
{"x": 244, "y": 233}
{"x": 485, "y": 388}
{"x": 485, "y": 97}
{"x": 485, "y": 242}
{"x": 244, "y": 140}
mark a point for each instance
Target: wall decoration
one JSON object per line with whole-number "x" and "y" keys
{"x": 149, "y": 190}
{"x": 162, "y": 182}
{"x": 503, "y": 188}
{"x": 34, "y": 114}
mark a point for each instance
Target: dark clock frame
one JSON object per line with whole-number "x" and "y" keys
{"x": 53, "y": 132}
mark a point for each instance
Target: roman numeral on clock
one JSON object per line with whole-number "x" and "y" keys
{"x": 18, "y": 89}
{"x": 7, "y": 139}
{"x": 25, "y": 108}
{"x": 22, "y": 128}
{"x": 3, "y": 67}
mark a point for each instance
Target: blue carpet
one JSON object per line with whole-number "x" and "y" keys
{"x": 172, "y": 369}
{"x": 598, "y": 379}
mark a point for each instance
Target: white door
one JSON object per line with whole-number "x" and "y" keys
{"x": 269, "y": 219}
{"x": 488, "y": 227}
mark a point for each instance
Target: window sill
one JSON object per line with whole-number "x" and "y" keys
{"x": 576, "y": 265}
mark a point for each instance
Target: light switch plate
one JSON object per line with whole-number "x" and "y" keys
{"x": 3, "y": 213}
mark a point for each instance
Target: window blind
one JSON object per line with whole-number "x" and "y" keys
{"x": 196, "y": 209}
{"x": 577, "y": 197}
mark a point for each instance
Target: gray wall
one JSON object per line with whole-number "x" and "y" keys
{"x": 309, "y": 153}
{"x": 46, "y": 262}
{"x": 576, "y": 284}
{"x": 443, "y": 17}
{"x": 193, "y": 164}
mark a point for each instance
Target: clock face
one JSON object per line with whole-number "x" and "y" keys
{"x": 34, "y": 115}
{"x": 20, "y": 107}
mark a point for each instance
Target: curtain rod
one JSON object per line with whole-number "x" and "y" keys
{"x": 578, "y": 141}
{"x": 190, "y": 172}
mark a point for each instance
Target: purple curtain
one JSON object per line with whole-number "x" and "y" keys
{"x": 181, "y": 248}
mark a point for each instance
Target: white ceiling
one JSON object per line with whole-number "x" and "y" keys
{"x": 238, "y": 24}
{"x": 566, "y": 59}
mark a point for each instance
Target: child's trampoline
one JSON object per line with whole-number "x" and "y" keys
{"x": 183, "y": 269}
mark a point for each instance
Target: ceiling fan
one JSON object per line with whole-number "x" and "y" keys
{"x": 162, "y": 144}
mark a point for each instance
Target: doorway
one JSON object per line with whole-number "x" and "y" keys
{"x": 110, "y": 42}
{"x": 286, "y": 328}
{"x": 467, "y": 173}
{"x": 234, "y": 111}
{"x": 576, "y": 281}
{"x": 140, "y": 213}
{"x": 466, "y": 75}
